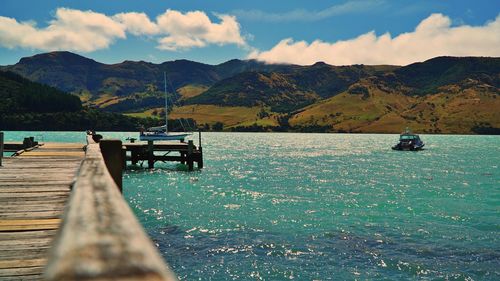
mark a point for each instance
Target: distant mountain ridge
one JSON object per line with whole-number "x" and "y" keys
{"x": 443, "y": 94}
{"x": 73, "y": 73}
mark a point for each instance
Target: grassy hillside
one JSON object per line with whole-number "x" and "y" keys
{"x": 362, "y": 104}
{"x": 257, "y": 89}
{"x": 443, "y": 94}
{"x": 190, "y": 91}
{"x": 211, "y": 114}
{"x": 461, "y": 108}
{"x": 426, "y": 77}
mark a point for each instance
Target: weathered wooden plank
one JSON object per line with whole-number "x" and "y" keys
{"x": 22, "y": 248}
{"x": 29, "y": 166}
{"x": 33, "y": 207}
{"x": 18, "y": 168}
{"x": 17, "y": 159}
{"x": 25, "y": 254}
{"x": 32, "y": 215}
{"x": 62, "y": 144}
{"x": 38, "y": 168}
{"x": 23, "y": 278}
{"x": 34, "y": 171}
{"x": 23, "y": 195}
{"x": 39, "y": 201}
{"x": 7, "y": 169}
{"x": 52, "y": 153}
{"x": 33, "y": 180}
{"x": 26, "y": 175}
{"x": 22, "y": 263}
{"x": 26, "y": 159}
{"x": 100, "y": 238}
{"x": 24, "y": 188}
{"x": 34, "y": 201}
{"x": 12, "y": 243}
{"x": 26, "y": 235}
{"x": 24, "y": 272}
{"x": 19, "y": 183}
{"x": 28, "y": 222}
{"x": 25, "y": 224}
{"x": 36, "y": 206}
{"x": 28, "y": 227}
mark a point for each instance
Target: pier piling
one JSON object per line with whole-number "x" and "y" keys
{"x": 113, "y": 157}
{"x": 190, "y": 155}
{"x": 200, "y": 149}
{"x": 151, "y": 155}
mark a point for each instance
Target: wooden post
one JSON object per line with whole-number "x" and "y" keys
{"x": 124, "y": 158}
{"x": 200, "y": 160}
{"x": 27, "y": 143}
{"x": 199, "y": 138}
{"x": 1, "y": 147}
{"x": 200, "y": 150}
{"x": 134, "y": 154}
{"x": 151, "y": 156}
{"x": 190, "y": 155}
{"x": 112, "y": 153}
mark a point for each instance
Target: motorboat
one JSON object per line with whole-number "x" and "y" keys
{"x": 409, "y": 141}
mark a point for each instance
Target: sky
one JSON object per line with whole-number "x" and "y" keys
{"x": 340, "y": 32}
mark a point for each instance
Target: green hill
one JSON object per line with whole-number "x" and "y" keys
{"x": 426, "y": 77}
{"x": 251, "y": 89}
{"x": 20, "y": 95}
{"x": 371, "y": 106}
{"x": 28, "y": 105}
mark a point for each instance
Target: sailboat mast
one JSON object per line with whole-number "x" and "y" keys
{"x": 166, "y": 100}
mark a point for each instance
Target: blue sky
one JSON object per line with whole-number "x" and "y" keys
{"x": 302, "y": 32}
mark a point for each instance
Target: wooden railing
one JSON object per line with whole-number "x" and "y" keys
{"x": 100, "y": 238}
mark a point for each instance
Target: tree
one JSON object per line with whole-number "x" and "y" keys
{"x": 218, "y": 126}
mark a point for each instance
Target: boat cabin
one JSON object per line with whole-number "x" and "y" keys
{"x": 408, "y": 137}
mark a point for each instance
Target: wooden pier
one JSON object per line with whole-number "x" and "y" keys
{"x": 187, "y": 153}
{"x": 151, "y": 152}
{"x": 62, "y": 217}
{"x": 34, "y": 188}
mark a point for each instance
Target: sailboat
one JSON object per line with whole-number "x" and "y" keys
{"x": 161, "y": 132}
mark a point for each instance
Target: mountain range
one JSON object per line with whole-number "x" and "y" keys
{"x": 440, "y": 95}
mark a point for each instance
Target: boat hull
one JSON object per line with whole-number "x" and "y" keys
{"x": 408, "y": 148}
{"x": 163, "y": 137}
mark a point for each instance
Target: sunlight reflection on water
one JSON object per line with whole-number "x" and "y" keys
{"x": 314, "y": 206}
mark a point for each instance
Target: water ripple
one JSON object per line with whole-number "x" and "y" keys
{"x": 327, "y": 206}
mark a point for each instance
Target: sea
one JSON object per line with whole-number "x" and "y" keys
{"x": 292, "y": 206}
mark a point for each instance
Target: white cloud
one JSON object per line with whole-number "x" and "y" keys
{"x": 434, "y": 36}
{"x": 137, "y": 23}
{"x": 195, "y": 29}
{"x": 70, "y": 30}
{"x": 352, "y": 6}
{"x": 88, "y": 31}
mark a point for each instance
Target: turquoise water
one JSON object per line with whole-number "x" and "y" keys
{"x": 270, "y": 206}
